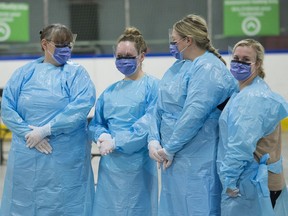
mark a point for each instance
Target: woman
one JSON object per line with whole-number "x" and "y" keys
{"x": 250, "y": 139}
{"x": 186, "y": 122}
{"x": 127, "y": 177}
{"x": 45, "y": 104}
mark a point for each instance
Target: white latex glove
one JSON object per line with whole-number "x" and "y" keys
{"x": 168, "y": 158}
{"x": 233, "y": 192}
{"x": 37, "y": 134}
{"x": 153, "y": 147}
{"x": 44, "y": 147}
{"x": 106, "y": 144}
{"x": 103, "y": 136}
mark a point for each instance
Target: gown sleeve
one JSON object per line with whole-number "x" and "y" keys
{"x": 10, "y": 116}
{"x": 82, "y": 98}
{"x": 135, "y": 138}
{"x": 207, "y": 87}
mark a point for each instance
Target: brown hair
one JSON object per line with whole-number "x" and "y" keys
{"x": 57, "y": 33}
{"x": 132, "y": 34}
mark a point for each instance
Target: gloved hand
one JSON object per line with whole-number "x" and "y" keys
{"x": 106, "y": 144}
{"x": 168, "y": 158}
{"x": 44, "y": 147}
{"x": 37, "y": 134}
{"x": 153, "y": 147}
{"x": 233, "y": 192}
{"x": 103, "y": 136}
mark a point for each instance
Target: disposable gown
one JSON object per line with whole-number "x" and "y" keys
{"x": 127, "y": 179}
{"x": 252, "y": 113}
{"x": 60, "y": 183}
{"x": 186, "y": 123}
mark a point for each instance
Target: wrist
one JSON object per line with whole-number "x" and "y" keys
{"x": 170, "y": 156}
{"x": 154, "y": 144}
{"x": 46, "y": 130}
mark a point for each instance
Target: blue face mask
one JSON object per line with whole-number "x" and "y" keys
{"x": 240, "y": 70}
{"x": 175, "y": 51}
{"x": 61, "y": 55}
{"x": 126, "y": 65}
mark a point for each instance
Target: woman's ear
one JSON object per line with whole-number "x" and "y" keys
{"x": 44, "y": 44}
{"x": 257, "y": 65}
{"x": 189, "y": 40}
{"x": 142, "y": 56}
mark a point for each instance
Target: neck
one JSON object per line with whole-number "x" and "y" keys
{"x": 48, "y": 59}
{"x": 194, "y": 52}
{"x": 243, "y": 84}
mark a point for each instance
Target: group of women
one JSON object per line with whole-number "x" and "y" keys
{"x": 214, "y": 133}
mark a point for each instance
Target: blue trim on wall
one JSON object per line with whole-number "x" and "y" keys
{"x": 84, "y": 56}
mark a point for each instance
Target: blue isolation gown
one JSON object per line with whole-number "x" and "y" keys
{"x": 127, "y": 178}
{"x": 251, "y": 114}
{"x": 60, "y": 183}
{"x": 186, "y": 124}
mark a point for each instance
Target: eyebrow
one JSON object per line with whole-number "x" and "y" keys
{"x": 243, "y": 57}
{"x": 126, "y": 54}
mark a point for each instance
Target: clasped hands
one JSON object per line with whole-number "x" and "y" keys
{"x": 37, "y": 138}
{"x": 159, "y": 154}
{"x": 106, "y": 144}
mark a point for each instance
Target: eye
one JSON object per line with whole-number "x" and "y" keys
{"x": 63, "y": 45}
{"x": 246, "y": 60}
{"x": 126, "y": 57}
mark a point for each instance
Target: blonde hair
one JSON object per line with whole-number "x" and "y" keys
{"x": 195, "y": 26}
{"x": 259, "y": 50}
{"x": 132, "y": 34}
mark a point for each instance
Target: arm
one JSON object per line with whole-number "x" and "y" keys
{"x": 206, "y": 88}
{"x": 154, "y": 125}
{"x": 244, "y": 130}
{"x": 250, "y": 119}
{"x": 98, "y": 124}
{"x": 10, "y": 116}
{"x": 135, "y": 138}
{"x": 82, "y": 98}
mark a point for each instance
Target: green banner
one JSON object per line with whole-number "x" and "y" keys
{"x": 251, "y": 17}
{"x": 14, "y": 22}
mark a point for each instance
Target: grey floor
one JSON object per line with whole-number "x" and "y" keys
{"x": 95, "y": 161}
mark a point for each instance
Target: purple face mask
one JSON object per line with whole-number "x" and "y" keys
{"x": 61, "y": 55}
{"x": 126, "y": 65}
{"x": 175, "y": 51}
{"x": 240, "y": 70}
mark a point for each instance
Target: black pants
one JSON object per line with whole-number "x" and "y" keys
{"x": 273, "y": 196}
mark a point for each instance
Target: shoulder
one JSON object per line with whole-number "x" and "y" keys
{"x": 75, "y": 69}
{"x": 26, "y": 69}
{"x": 209, "y": 63}
{"x": 259, "y": 96}
{"x": 73, "y": 66}
{"x": 151, "y": 79}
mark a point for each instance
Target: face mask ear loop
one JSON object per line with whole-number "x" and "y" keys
{"x": 74, "y": 40}
{"x": 114, "y": 51}
{"x": 170, "y": 35}
{"x": 230, "y": 53}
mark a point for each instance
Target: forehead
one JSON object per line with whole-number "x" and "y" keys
{"x": 61, "y": 35}
{"x": 246, "y": 51}
{"x": 175, "y": 34}
{"x": 126, "y": 47}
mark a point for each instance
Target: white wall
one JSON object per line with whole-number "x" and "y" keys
{"x": 103, "y": 71}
